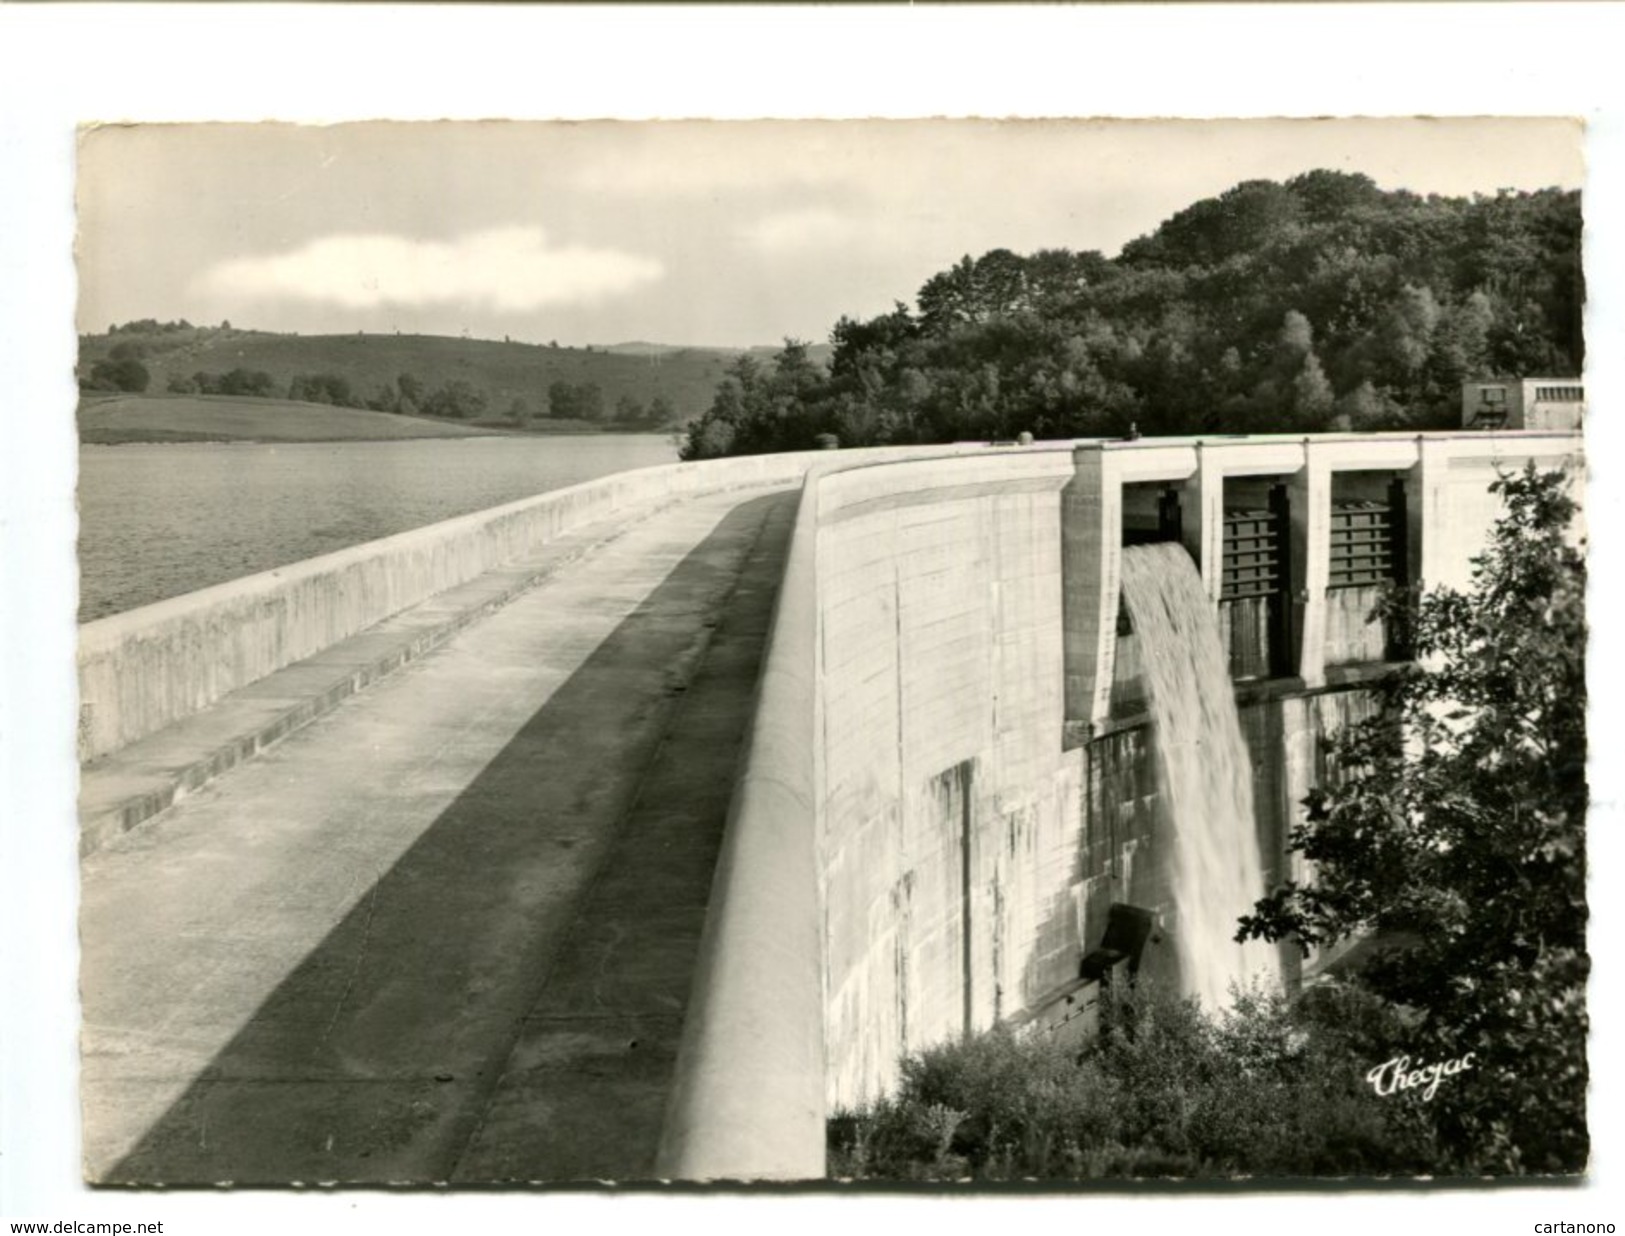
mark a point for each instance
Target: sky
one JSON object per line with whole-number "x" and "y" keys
{"x": 689, "y": 233}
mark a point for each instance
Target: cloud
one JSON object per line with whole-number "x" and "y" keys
{"x": 800, "y": 229}
{"x": 509, "y": 269}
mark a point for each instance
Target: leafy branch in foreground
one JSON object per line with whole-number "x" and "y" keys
{"x": 1453, "y": 833}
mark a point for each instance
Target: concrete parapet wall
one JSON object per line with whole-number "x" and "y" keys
{"x": 748, "y": 1100}
{"x": 147, "y": 668}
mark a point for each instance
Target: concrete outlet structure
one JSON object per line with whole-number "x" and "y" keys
{"x": 943, "y": 784}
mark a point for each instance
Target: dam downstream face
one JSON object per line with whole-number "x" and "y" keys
{"x": 1215, "y": 870}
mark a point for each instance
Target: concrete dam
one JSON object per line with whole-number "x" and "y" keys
{"x": 628, "y": 831}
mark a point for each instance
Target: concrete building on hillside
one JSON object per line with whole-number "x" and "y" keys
{"x": 1523, "y": 403}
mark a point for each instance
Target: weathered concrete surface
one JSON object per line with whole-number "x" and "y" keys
{"x": 143, "y": 671}
{"x": 134, "y": 783}
{"x": 445, "y": 931}
{"x": 748, "y": 1098}
{"x": 148, "y": 668}
{"x": 948, "y": 805}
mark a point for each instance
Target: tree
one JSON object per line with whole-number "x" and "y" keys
{"x": 973, "y": 291}
{"x": 328, "y": 388}
{"x": 127, "y": 374}
{"x": 590, "y": 402}
{"x": 458, "y": 399}
{"x": 1202, "y": 326}
{"x": 1241, "y": 220}
{"x": 384, "y": 399}
{"x": 1312, "y": 398}
{"x": 1461, "y": 343}
{"x": 1454, "y": 837}
{"x": 560, "y": 400}
{"x": 1406, "y": 335}
{"x": 1327, "y": 195}
{"x": 575, "y": 401}
{"x": 1294, "y": 394}
{"x": 728, "y": 425}
{"x": 948, "y": 299}
{"x": 1056, "y": 277}
{"x": 1365, "y": 409}
{"x": 241, "y": 381}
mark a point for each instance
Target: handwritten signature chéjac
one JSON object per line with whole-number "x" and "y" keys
{"x": 1392, "y": 1076}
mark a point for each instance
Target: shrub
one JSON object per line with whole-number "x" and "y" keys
{"x": 457, "y": 398}
{"x": 127, "y": 374}
{"x": 239, "y": 381}
{"x": 1266, "y": 1090}
{"x": 329, "y": 388}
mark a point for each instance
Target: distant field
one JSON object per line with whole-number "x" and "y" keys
{"x": 221, "y": 418}
{"x": 509, "y": 374}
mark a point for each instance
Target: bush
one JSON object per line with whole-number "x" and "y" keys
{"x": 328, "y": 388}
{"x": 384, "y": 399}
{"x": 151, "y": 326}
{"x": 239, "y": 381}
{"x": 126, "y": 374}
{"x": 583, "y": 401}
{"x": 1267, "y": 1090}
{"x": 458, "y": 399}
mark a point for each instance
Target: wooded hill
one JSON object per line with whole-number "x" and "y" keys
{"x": 480, "y": 381}
{"x": 1324, "y": 303}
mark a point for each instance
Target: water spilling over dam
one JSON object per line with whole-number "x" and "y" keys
{"x": 1215, "y": 872}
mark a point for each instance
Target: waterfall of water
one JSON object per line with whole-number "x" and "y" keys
{"x": 1216, "y": 873}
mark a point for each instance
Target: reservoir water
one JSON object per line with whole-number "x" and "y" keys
{"x": 158, "y": 521}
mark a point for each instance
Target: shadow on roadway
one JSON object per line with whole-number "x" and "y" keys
{"x": 504, "y": 1003}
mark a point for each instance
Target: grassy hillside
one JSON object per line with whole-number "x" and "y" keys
{"x": 504, "y": 372}
{"x": 222, "y": 418}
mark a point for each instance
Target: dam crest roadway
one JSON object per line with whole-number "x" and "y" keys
{"x": 444, "y": 931}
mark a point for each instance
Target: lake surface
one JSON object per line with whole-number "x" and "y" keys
{"x": 157, "y": 521}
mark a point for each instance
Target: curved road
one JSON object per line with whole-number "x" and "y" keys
{"x": 445, "y": 932}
